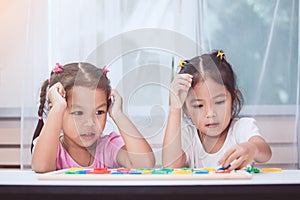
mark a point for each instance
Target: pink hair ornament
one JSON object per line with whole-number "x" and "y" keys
{"x": 105, "y": 70}
{"x": 58, "y": 68}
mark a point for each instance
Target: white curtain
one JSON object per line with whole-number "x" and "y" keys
{"x": 140, "y": 41}
{"x": 34, "y": 71}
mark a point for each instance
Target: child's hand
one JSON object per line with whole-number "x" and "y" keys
{"x": 239, "y": 156}
{"x": 179, "y": 89}
{"x": 56, "y": 95}
{"x": 115, "y": 105}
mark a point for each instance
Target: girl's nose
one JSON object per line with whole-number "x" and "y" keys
{"x": 90, "y": 121}
{"x": 210, "y": 112}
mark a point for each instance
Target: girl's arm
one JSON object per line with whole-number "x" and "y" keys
{"x": 242, "y": 154}
{"x": 136, "y": 153}
{"x": 172, "y": 153}
{"x": 45, "y": 150}
{"x": 264, "y": 152}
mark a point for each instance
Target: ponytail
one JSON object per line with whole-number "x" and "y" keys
{"x": 40, "y": 123}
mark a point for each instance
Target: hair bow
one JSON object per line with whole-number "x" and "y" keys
{"x": 58, "y": 68}
{"x": 105, "y": 70}
{"x": 221, "y": 55}
{"x": 181, "y": 63}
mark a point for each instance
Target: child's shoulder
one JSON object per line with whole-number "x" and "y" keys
{"x": 243, "y": 120}
{"x": 243, "y": 123}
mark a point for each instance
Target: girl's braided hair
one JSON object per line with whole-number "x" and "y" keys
{"x": 70, "y": 75}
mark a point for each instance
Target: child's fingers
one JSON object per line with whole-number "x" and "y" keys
{"x": 116, "y": 103}
{"x": 56, "y": 91}
{"x": 112, "y": 92}
{"x": 179, "y": 86}
{"x": 178, "y": 91}
{"x": 239, "y": 164}
{"x": 114, "y": 95}
{"x": 183, "y": 88}
{"x": 181, "y": 81}
{"x": 61, "y": 90}
{"x": 236, "y": 164}
{"x": 231, "y": 158}
{"x": 224, "y": 161}
{"x": 185, "y": 77}
{"x": 244, "y": 164}
{"x": 184, "y": 83}
{"x": 236, "y": 161}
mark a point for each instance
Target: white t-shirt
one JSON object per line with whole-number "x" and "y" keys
{"x": 240, "y": 130}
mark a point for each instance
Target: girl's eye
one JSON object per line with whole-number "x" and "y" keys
{"x": 198, "y": 106}
{"x": 220, "y": 102}
{"x": 77, "y": 113}
{"x": 100, "y": 112}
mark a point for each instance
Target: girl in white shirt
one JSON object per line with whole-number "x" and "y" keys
{"x": 208, "y": 133}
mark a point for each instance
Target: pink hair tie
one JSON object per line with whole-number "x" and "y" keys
{"x": 58, "y": 68}
{"x": 105, "y": 70}
{"x": 40, "y": 117}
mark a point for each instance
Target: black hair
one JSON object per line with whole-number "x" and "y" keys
{"x": 215, "y": 66}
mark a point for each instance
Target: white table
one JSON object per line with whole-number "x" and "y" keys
{"x": 20, "y": 184}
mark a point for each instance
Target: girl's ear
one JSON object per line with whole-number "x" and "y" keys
{"x": 50, "y": 106}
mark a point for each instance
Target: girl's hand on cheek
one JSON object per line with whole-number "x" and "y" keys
{"x": 115, "y": 107}
{"x": 239, "y": 156}
{"x": 56, "y": 95}
{"x": 179, "y": 89}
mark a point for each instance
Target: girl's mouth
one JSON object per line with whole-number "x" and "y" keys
{"x": 212, "y": 125}
{"x": 88, "y": 136}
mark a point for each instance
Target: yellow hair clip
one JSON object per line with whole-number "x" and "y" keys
{"x": 220, "y": 55}
{"x": 181, "y": 63}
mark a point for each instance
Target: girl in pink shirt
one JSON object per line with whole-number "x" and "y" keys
{"x": 79, "y": 98}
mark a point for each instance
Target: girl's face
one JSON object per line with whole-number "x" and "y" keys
{"x": 209, "y": 105}
{"x": 85, "y": 116}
